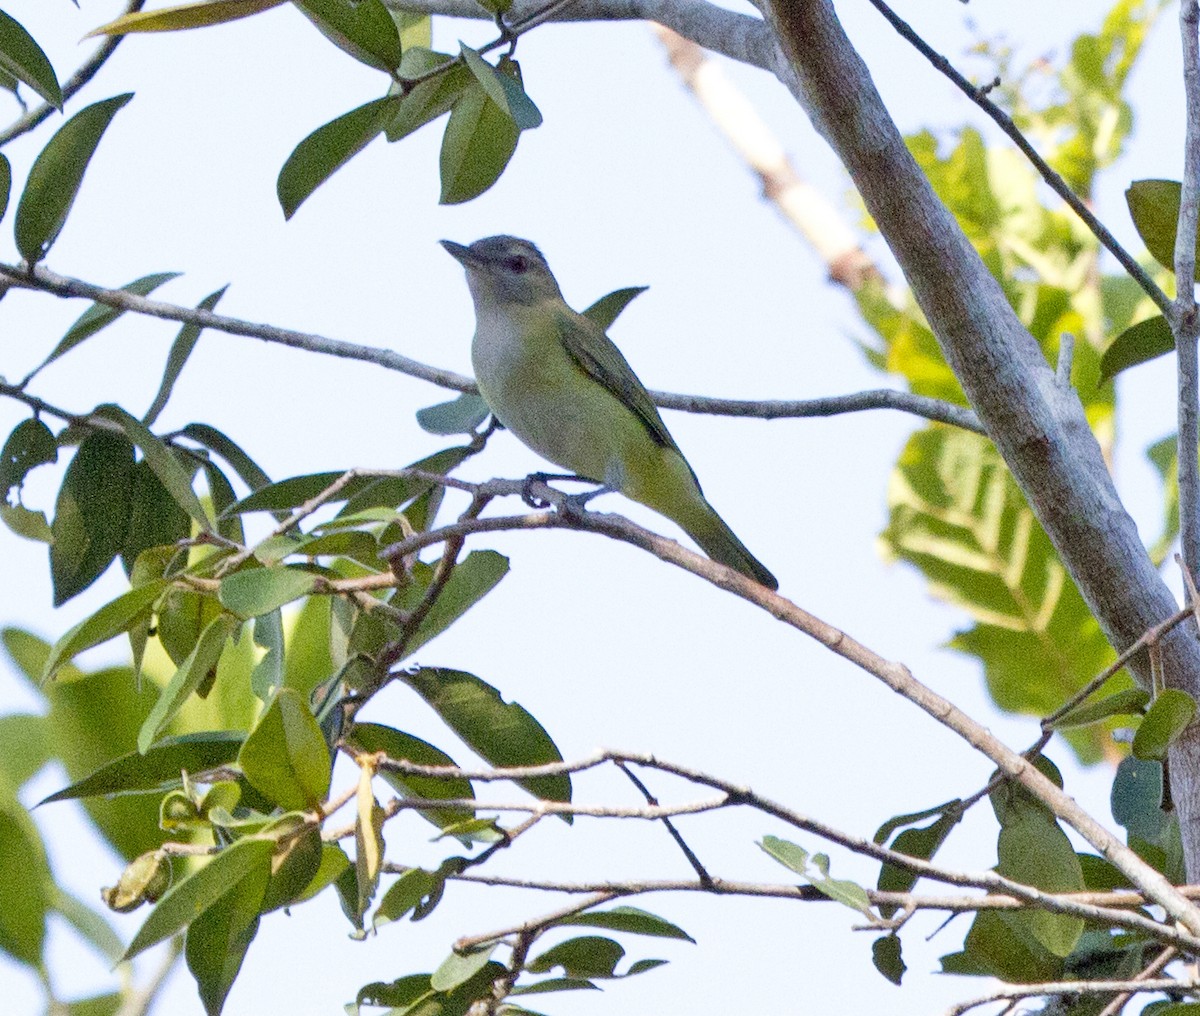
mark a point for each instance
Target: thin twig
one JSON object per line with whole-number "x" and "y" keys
{"x": 1184, "y": 319}
{"x": 1056, "y": 182}
{"x": 44, "y": 280}
{"x": 1071, "y": 988}
{"x": 83, "y": 74}
{"x": 701, "y": 872}
{"x": 1156, "y": 966}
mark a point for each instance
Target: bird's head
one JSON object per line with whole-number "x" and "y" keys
{"x": 505, "y": 270}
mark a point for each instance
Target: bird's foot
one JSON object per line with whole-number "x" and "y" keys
{"x": 532, "y": 499}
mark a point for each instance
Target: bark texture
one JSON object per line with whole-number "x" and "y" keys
{"x": 1039, "y": 427}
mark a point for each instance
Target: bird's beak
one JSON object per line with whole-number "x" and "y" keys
{"x": 463, "y": 255}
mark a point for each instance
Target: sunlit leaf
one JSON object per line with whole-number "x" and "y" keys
{"x": 184, "y": 16}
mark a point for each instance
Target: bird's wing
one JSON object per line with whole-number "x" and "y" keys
{"x": 595, "y": 353}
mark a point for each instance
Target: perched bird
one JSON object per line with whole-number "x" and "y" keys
{"x": 554, "y": 379}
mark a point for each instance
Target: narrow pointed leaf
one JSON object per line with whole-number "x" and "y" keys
{"x": 218, "y": 938}
{"x": 458, "y": 968}
{"x": 193, "y": 895}
{"x": 100, "y": 315}
{"x": 166, "y": 467}
{"x": 184, "y": 16}
{"x": 330, "y": 147}
{"x": 181, "y": 349}
{"x": 109, "y": 621}
{"x": 627, "y": 919}
{"x": 192, "y": 673}
{"x": 469, "y": 583}
{"x": 431, "y": 98}
{"x": 23, "y": 58}
{"x": 159, "y": 767}
{"x": 5, "y": 183}
{"x": 55, "y": 178}
{"x": 606, "y": 310}
{"x": 1129, "y": 702}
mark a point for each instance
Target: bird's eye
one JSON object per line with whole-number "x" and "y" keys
{"x": 518, "y": 263}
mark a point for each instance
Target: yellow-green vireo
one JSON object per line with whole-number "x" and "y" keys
{"x": 554, "y": 379}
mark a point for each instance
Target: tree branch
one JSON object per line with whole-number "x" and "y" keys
{"x": 1040, "y": 429}
{"x": 737, "y": 36}
{"x": 1184, "y": 317}
{"x": 1074, "y": 988}
{"x": 44, "y": 280}
{"x": 85, "y": 72}
{"x": 1045, "y": 170}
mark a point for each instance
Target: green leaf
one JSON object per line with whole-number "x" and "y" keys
{"x": 294, "y": 491}
{"x": 166, "y": 467}
{"x": 192, "y": 896}
{"x": 462, "y": 415}
{"x": 195, "y": 671}
{"x": 922, "y": 843}
{"x": 1154, "y": 206}
{"x": 91, "y": 925}
{"x": 480, "y": 140}
{"x": 91, "y": 515}
{"x": 1139, "y": 343}
{"x": 249, "y": 470}
{"x": 374, "y": 737}
{"x": 887, "y": 956}
{"x": 109, "y": 621}
{"x": 94, "y": 717}
{"x": 25, "y": 876}
{"x": 156, "y": 519}
{"x": 31, "y": 525}
{"x": 5, "y": 184}
{"x": 501, "y": 732}
{"x": 197, "y": 15}
{"x": 159, "y": 768}
{"x": 587, "y": 956}
{"x": 428, "y": 99}
{"x": 608, "y": 308}
{"x": 1167, "y": 718}
{"x": 252, "y": 592}
{"x": 790, "y": 855}
{"x": 1137, "y": 795}
{"x": 1129, "y": 702}
{"x": 57, "y": 173}
{"x": 100, "y": 315}
{"x": 330, "y": 147}
{"x": 31, "y": 444}
{"x": 409, "y": 892}
{"x": 458, "y": 968}
{"x": 503, "y": 89}
{"x": 553, "y": 984}
{"x": 218, "y": 937}
{"x": 628, "y": 919}
{"x": 1033, "y": 849}
{"x": 364, "y": 29}
{"x": 181, "y": 349}
{"x": 297, "y": 860}
{"x": 24, "y": 60}
{"x": 469, "y": 583}
{"x": 285, "y": 758}
{"x": 26, "y": 740}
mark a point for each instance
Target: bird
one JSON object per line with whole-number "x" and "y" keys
{"x": 554, "y": 379}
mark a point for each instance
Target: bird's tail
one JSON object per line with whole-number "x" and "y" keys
{"x": 720, "y": 543}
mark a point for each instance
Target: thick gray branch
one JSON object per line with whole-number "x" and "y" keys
{"x": 737, "y": 36}
{"x": 1039, "y": 428}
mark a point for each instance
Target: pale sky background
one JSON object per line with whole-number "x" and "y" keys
{"x": 626, "y": 183}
